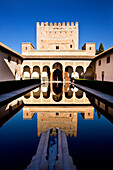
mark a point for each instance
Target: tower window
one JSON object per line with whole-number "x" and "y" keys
{"x": 71, "y": 46}
{"x": 57, "y": 113}
{"x": 108, "y": 59}
{"x": 57, "y": 47}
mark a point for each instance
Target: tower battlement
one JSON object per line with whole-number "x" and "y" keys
{"x": 57, "y": 36}
{"x": 59, "y": 24}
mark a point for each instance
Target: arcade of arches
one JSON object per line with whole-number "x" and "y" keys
{"x": 57, "y": 70}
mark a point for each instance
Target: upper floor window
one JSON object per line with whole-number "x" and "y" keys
{"x": 57, "y": 113}
{"x": 89, "y": 48}
{"x": 71, "y": 46}
{"x": 9, "y": 58}
{"x": 99, "y": 62}
{"x": 57, "y": 47}
{"x": 108, "y": 59}
{"x": 25, "y": 48}
{"x": 88, "y": 114}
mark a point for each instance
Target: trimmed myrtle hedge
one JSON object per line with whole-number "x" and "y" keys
{"x": 102, "y": 86}
{"x": 8, "y": 86}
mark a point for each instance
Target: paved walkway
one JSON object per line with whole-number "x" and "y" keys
{"x": 105, "y": 97}
{"x": 6, "y": 98}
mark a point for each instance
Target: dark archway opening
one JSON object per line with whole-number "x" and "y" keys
{"x": 57, "y": 88}
{"x": 57, "y": 75}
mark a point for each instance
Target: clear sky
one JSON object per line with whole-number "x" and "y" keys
{"x": 18, "y": 20}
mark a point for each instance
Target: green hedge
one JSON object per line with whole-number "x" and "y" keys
{"x": 8, "y": 86}
{"x": 102, "y": 86}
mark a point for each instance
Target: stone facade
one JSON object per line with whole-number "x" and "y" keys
{"x": 57, "y": 36}
{"x": 104, "y": 65}
{"x": 10, "y": 64}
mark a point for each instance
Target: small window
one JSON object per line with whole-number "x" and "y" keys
{"x": 17, "y": 62}
{"x": 88, "y": 114}
{"x": 108, "y": 59}
{"x": 71, "y": 46}
{"x": 57, "y": 113}
{"x": 99, "y": 62}
{"x": 98, "y": 102}
{"x": 57, "y": 47}
{"x": 89, "y": 48}
{"x": 9, "y": 58}
{"x": 70, "y": 115}
{"x": 27, "y": 113}
{"x": 106, "y": 108}
{"x": 102, "y": 75}
{"x": 25, "y": 48}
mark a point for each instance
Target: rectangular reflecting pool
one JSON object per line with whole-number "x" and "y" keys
{"x": 86, "y": 121}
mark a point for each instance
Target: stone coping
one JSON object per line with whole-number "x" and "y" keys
{"x": 102, "y": 96}
{"x": 8, "y": 97}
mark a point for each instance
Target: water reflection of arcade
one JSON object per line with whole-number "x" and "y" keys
{"x": 102, "y": 108}
{"x": 65, "y": 117}
{"x": 56, "y": 93}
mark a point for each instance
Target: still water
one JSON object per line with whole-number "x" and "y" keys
{"x": 87, "y": 122}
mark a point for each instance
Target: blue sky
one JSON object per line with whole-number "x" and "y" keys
{"x": 18, "y": 20}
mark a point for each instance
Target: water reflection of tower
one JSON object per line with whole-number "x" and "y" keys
{"x": 64, "y": 118}
{"x": 66, "y": 121}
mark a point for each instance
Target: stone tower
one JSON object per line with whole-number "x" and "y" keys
{"x": 57, "y": 36}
